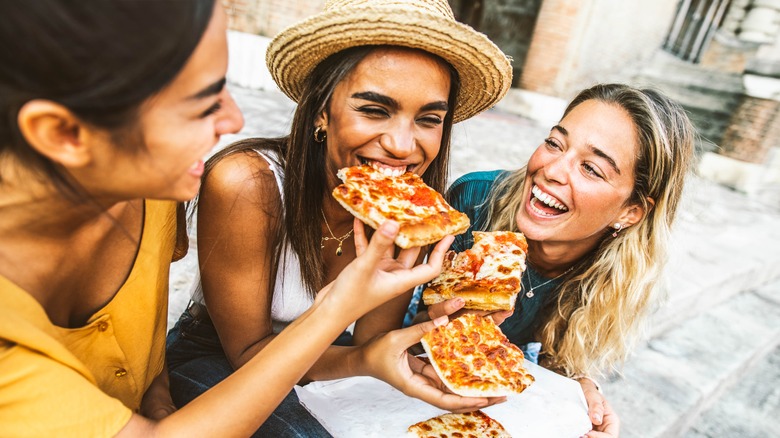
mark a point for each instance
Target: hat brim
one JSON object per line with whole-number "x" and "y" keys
{"x": 485, "y": 72}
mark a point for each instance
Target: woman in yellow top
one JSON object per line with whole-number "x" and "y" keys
{"x": 107, "y": 111}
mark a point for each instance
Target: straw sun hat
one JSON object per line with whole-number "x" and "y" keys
{"x": 485, "y": 72}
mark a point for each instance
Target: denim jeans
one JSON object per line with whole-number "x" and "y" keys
{"x": 196, "y": 362}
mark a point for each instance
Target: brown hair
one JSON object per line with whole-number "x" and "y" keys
{"x": 303, "y": 161}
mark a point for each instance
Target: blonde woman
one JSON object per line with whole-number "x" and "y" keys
{"x": 596, "y": 202}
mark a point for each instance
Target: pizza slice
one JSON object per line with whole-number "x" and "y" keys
{"x": 422, "y": 213}
{"x": 473, "y": 358}
{"x": 475, "y": 424}
{"x": 487, "y": 276}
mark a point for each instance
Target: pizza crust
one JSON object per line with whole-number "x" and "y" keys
{"x": 374, "y": 198}
{"x": 475, "y": 424}
{"x": 473, "y": 358}
{"x": 475, "y": 297}
{"x": 488, "y": 276}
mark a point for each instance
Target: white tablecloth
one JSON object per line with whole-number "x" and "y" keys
{"x": 363, "y": 407}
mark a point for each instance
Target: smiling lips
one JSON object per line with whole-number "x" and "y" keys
{"x": 544, "y": 204}
{"x": 387, "y": 170}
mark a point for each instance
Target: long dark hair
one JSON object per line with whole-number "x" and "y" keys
{"x": 305, "y": 178}
{"x": 99, "y": 59}
{"x": 304, "y": 161}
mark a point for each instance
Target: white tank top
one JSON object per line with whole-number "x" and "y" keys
{"x": 290, "y": 298}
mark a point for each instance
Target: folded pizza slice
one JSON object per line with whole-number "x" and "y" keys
{"x": 487, "y": 276}
{"x": 473, "y": 358}
{"x": 475, "y": 424}
{"x": 422, "y": 213}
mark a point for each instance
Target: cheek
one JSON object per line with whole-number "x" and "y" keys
{"x": 536, "y": 161}
{"x": 430, "y": 143}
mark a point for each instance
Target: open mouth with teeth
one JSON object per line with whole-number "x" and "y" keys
{"x": 387, "y": 170}
{"x": 544, "y": 204}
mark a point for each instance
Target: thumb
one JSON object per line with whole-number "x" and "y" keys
{"x": 412, "y": 335}
{"x": 380, "y": 242}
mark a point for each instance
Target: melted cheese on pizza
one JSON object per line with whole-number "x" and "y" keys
{"x": 422, "y": 213}
{"x": 473, "y": 358}
{"x": 496, "y": 263}
{"x": 475, "y": 424}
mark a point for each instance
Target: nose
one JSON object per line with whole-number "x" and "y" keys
{"x": 231, "y": 120}
{"x": 399, "y": 141}
{"x": 558, "y": 168}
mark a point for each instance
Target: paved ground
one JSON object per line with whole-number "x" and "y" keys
{"x": 723, "y": 253}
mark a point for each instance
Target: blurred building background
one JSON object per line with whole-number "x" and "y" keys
{"x": 719, "y": 58}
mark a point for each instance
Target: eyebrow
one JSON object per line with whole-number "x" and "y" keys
{"x": 211, "y": 90}
{"x": 392, "y": 103}
{"x": 594, "y": 149}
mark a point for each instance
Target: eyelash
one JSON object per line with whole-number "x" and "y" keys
{"x": 212, "y": 109}
{"x": 591, "y": 170}
{"x": 375, "y": 111}
{"x": 588, "y": 168}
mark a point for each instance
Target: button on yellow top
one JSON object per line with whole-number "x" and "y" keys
{"x": 102, "y": 326}
{"x": 120, "y": 372}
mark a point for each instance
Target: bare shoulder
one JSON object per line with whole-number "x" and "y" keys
{"x": 244, "y": 174}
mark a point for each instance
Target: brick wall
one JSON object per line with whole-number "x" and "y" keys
{"x": 726, "y": 54}
{"x": 580, "y": 42}
{"x": 549, "y": 52}
{"x": 268, "y": 17}
{"x": 754, "y": 129}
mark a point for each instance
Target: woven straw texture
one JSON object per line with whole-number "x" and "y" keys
{"x": 485, "y": 72}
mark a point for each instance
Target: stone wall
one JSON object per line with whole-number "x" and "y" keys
{"x": 753, "y": 131}
{"x": 580, "y": 42}
{"x": 268, "y": 17}
{"x": 508, "y": 23}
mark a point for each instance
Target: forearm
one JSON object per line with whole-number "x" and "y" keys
{"x": 337, "y": 362}
{"x": 156, "y": 403}
{"x": 261, "y": 384}
{"x": 240, "y": 359}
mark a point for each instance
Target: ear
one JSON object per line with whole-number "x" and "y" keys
{"x": 634, "y": 213}
{"x": 55, "y": 132}
{"x": 322, "y": 120}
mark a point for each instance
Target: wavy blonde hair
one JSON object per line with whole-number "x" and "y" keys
{"x": 602, "y": 305}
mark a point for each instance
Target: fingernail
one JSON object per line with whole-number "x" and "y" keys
{"x": 440, "y": 321}
{"x": 460, "y": 302}
{"x": 597, "y": 417}
{"x": 390, "y": 228}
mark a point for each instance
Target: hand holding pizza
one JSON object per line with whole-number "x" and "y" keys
{"x": 454, "y": 308}
{"x": 386, "y": 358}
{"x": 376, "y": 275}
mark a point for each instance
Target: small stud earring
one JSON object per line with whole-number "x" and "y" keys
{"x": 618, "y": 226}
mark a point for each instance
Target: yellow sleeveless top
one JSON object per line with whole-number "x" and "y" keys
{"x": 87, "y": 381}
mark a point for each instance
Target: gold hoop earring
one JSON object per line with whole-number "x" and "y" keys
{"x": 320, "y": 134}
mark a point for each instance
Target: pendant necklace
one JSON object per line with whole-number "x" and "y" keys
{"x": 340, "y": 240}
{"x": 530, "y": 293}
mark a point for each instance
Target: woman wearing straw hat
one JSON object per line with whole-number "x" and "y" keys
{"x": 378, "y": 82}
{"x": 108, "y": 109}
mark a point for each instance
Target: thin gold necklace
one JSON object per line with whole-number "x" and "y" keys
{"x": 530, "y": 293}
{"x": 340, "y": 240}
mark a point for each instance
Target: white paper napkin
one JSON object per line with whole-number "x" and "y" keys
{"x": 364, "y": 407}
